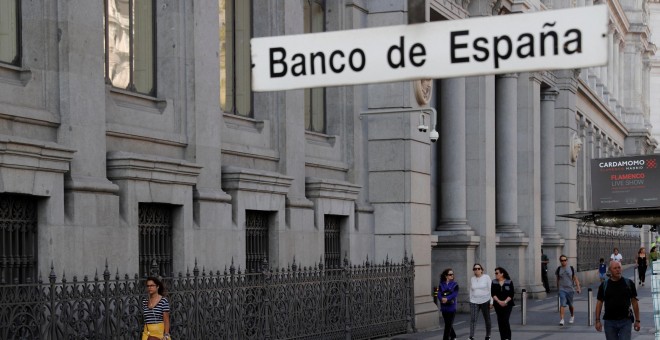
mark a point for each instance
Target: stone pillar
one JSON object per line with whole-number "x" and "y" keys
{"x": 552, "y": 241}
{"x": 609, "y": 75}
{"x": 512, "y": 241}
{"x": 529, "y": 177}
{"x": 91, "y": 203}
{"x": 292, "y": 159}
{"x": 506, "y": 93}
{"x": 565, "y": 168}
{"x": 451, "y": 155}
{"x": 211, "y": 205}
{"x": 456, "y": 239}
{"x": 480, "y": 162}
{"x": 621, "y": 76}
{"x": 590, "y": 150}
{"x": 399, "y": 158}
{"x": 399, "y": 182}
{"x": 614, "y": 89}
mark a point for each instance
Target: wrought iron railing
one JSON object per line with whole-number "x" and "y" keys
{"x": 155, "y": 225}
{"x": 256, "y": 239}
{"x": 595, "y": 242}
{"x": 18, "y": 238}
{"x": 359, "y": 302}
{"x": 332, "y": 241}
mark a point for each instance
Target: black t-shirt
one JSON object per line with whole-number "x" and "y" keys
{"x": 616, "y": 299}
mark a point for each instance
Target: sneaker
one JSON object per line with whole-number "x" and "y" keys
{"x": 571, "y": 320}
{"x": 561, "y": 322}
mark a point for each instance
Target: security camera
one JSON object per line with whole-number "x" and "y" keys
{"x": 433, "y": 136}
{"x": 422, "y": 127}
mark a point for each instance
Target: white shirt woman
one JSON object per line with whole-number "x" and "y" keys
{"x": 616, "y": 256}
{"x": 480, "y": 298}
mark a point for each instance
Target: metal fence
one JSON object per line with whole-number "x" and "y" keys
{"x": 353, "y": 302}
{"x": 594, "y": 242}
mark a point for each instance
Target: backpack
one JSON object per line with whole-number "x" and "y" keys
{"x": 572, "y": 272}
{"x": 628, "y": 282}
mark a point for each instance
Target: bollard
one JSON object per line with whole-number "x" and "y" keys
{"x": 523, "y": 309}
{"x": 590, "y": 307}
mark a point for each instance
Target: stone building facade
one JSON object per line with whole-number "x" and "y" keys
{"x": 136, "y": 138}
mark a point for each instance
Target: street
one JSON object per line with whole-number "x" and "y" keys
{"x": 543, "y": 319}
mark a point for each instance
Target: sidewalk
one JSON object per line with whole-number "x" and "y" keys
{"x": 543, "y": 319}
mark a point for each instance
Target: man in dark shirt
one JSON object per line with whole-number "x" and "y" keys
{"x": 618, "y": 295}
{"x": 544, "y": 271}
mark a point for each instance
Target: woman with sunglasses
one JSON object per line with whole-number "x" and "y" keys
{"x": 155, "y": 311}
{"x": 447, "y": 294}
{"x": 502, "y": 292}
{"x": 479, "y": 298}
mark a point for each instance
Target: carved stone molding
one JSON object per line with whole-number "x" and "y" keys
{"x": 423, "y": 90}
{"x": 549, "y": 95}
{"x": 576, "y": 146}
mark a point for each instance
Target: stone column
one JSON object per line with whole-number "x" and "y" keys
{"x": 292, "y": 158}
{"x": 506, "y": 94}
{"x": 91, "y": 203}
{"x": 512, "y": 241}
{"x": 456, "y": 239}
{"x": 451, "y": 156}
{"x": 552, "y": 241}
{"x": 211, "y": 205}
{"x": 399, "y": 182}
{"x": 480, "y": 162}
{"x": 565, "y": 168}
{"x": 614, "y": 90}
{"x": 609, "y": 74}
{"x": 590, "y": 150}
{"x": 399, "y": 158}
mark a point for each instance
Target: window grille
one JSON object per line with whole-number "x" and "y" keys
{"x": 235, "y": 65}
{"x": 18, "y": 239}
{"x": 314, "y": 18}
{"x": 256, "y": 240}
{"x": 10, "y": 28}
{"x": 155, "y": 225}
{"x": 332, "y": 226}
{"x": 130, "y": 45}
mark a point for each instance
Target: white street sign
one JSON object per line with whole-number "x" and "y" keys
{"x": 546, "y": 40}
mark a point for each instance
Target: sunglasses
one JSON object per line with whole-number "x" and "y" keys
{"x": 563, "y": 260}
{"x": 451, "y": 274}
{"x": 497, "y": 273}
{"x": 477, "y": 268}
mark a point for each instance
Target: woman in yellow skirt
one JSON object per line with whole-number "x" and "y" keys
{"x": 156, "y": 311}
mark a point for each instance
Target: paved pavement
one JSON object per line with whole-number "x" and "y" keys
{"x": 543, "y": 320}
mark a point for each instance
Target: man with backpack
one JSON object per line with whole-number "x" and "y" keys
{"x": 567, "y": 284}
{"x": 619, "y": 295}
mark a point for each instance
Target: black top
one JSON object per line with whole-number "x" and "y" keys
{"x": 503, "y": 291}
{"x": 641, "y": 261}
{"x": 616, "y": 298}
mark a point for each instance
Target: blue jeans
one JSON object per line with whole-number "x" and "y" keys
{"x": 617, "y": 329}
